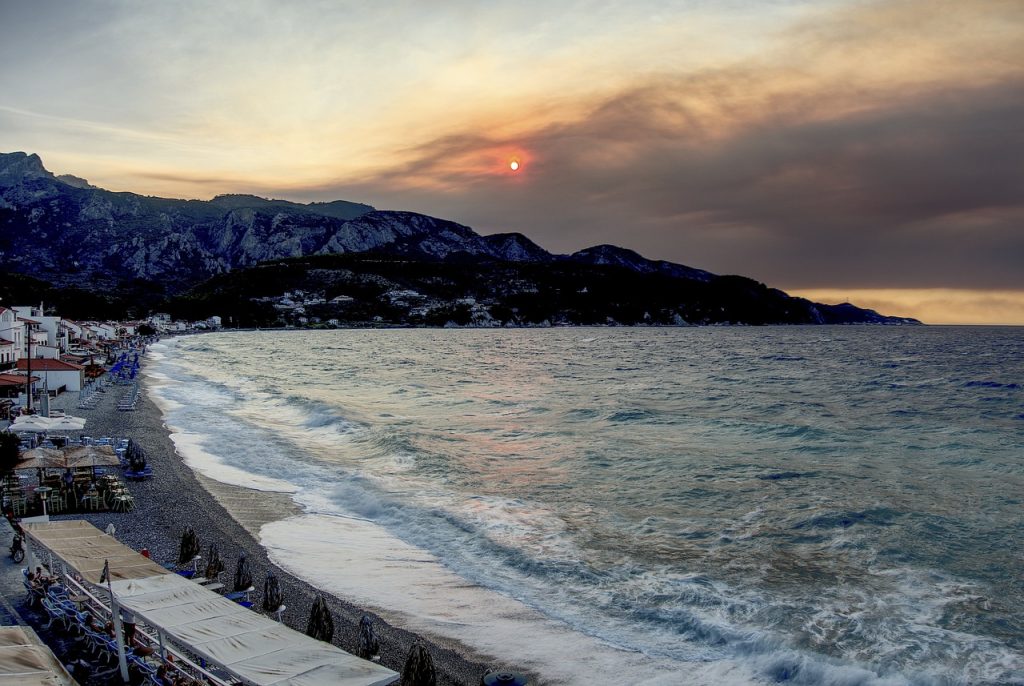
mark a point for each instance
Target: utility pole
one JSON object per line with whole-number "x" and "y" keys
{"x": 28, "y": 378}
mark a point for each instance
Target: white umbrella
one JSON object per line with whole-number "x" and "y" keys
{"x": 25, "y": 419}
{"x": 67, "y": 424}
{"x": 28, "y": 427}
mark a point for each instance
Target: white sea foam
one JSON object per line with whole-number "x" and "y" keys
{"x": 480, "y": 514}
{"x": 410, "y": 587}
{"x": 190, "y": 447}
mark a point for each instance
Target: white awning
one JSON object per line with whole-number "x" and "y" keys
{"x": 24, "y": 659}
{"x": 250, "y": 646}
{"x": 85, "y": 548}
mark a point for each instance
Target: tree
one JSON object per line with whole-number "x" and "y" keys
{"x": 10, "y": 447}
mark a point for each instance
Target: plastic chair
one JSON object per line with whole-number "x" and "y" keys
{"x": 54, "y": 612}
{"x": 147, "y": 670}
{"x": 35, "y": 594}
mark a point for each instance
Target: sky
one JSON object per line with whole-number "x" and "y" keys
{"x": 839, "y": 149}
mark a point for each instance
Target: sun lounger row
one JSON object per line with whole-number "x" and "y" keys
{"x": 130, "y": 399}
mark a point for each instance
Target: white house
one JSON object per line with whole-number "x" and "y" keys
{"x": 56, "y": 375}
{"x": 56, "y": 336}
{"x": 101, "y": 331}
{"x": 12, "y": 330}
{"x": 48, "y": 352}
{"x": 8, "y": 354}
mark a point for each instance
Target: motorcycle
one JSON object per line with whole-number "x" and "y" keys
{"x": 17, "y": 549}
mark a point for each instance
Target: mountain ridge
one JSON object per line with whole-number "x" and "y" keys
{"x": 65, "y": 231}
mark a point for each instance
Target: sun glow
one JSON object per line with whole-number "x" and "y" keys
{"x": 514, "y": 165}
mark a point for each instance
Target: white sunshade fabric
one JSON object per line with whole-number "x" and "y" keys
{"x": 40, "y": 423}
{"x": 251, "y": 646}
{"x": 85, "y": 549}
{"x": 24, "y": 659}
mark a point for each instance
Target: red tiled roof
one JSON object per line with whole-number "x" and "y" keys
{"x": 48, "y": 365}
{"x": 14, "y": 380}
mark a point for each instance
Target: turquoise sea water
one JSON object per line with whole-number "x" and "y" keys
{"x": 751, "y": 505}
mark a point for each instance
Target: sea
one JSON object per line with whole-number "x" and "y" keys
{"x": 662, "y": 506}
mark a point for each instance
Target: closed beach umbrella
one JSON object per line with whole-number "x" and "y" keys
{"x": 369, "y": 646}
{"x": 419, "y": 668}
{"x": 189, "y": 547}
{"x": 214, "y": 565}
{"x": 243, "y": 577}
{"x": 136, "y": 457}
{"x": 272, "y": 598}
{"x": 321, "y": 624}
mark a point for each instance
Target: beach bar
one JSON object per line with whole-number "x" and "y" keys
{"x": 234, "y": 644}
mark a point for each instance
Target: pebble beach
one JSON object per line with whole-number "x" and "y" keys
{"x": 230, "y": 517}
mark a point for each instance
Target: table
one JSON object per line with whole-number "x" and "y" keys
{"x": 79, "y": 600}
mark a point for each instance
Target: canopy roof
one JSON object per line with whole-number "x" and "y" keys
{"x": 252, "y": 647}
{"x": 85, "y": 548}
{"x": 42, "y": 458}
{"x": 64, "y": 458}
{"x": 25, "y": 660}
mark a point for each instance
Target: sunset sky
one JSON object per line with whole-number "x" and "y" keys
{"x": 870, "y": 151}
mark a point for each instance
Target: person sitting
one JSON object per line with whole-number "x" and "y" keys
{"x": 90, "y": 622}
{"x": 165, "y": 676}
{"x": 44, "y": 578}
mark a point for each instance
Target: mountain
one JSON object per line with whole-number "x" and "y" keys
{"x": 622, "y": 257}
{"x": 67, "y": 231}
{"x": 73, "y": 235}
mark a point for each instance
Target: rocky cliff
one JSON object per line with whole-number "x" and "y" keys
{"x": 67, "y": 232}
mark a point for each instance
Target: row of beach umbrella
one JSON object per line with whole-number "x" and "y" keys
{"x": 69, "y": 458}
{"x": 320, "y": 625}
{"x": 419, "y": 666}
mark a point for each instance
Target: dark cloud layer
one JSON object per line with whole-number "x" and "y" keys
{"x": 834, "y": 186}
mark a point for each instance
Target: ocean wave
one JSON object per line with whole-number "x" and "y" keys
{"x": 649, "y": 515}
{"x": 992, "y": 384}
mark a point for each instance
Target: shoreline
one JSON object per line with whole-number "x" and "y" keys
{"x": 177, "y": 496}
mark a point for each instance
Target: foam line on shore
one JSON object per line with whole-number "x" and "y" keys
{"x": 190, "y": 447}
{"x": 410, "y": 587}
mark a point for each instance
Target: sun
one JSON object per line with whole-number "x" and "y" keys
{"x": 514, "y": 165}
